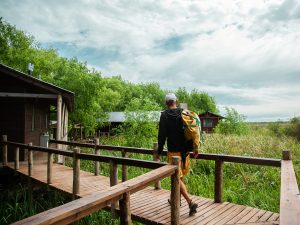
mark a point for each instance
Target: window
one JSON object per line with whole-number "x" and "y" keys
{"x": 208, "y": 123}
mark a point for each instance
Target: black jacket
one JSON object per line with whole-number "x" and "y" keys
{"x": 171, "y": 129}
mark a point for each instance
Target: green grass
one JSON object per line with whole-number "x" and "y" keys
{"x": 256, "y": 186}
{"x": 15, "y": 204}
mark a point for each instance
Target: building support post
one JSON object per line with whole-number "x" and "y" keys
{"x": 4, "y": 149}
{"x": 58, "y": 126}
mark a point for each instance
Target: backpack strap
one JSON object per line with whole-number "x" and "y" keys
{"x": 200, "y": 130}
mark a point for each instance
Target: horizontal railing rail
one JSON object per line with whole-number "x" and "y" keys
{"x": 205, "y": 156}
{"x": 145, "y": 151}
{"x": 86, "y": 156}
{"x": 82, "y": 207}
{"x": 240, "y": 159}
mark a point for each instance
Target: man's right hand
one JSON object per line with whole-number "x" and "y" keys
{"x": 158, "y": 158}
{"x": 195, "y": 153}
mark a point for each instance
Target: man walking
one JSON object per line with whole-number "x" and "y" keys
{"x": 171, "y": 129}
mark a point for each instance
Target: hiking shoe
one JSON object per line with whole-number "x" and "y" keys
{"x": 193, "y": 208}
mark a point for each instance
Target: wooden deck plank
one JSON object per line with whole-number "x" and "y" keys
{"x": 256, "y": 216}
{"x": 230, "y": 216}
{"x": 265, "y": 217}
{"x": 200, "y": 212}
{"x": 239, "y": 216}
{"x": 149, "y": 205}
{"x": 251, "y": 213}
{"x": 274, "y": 217}
{"x": 224, "y": 215}
{"x": 212, "y": 214}
{"x": 164, "y": 217}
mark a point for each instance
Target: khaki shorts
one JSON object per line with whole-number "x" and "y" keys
{"x": 183, "y": 171}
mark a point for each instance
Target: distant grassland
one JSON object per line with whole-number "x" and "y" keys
{"x": 256, "y": 186}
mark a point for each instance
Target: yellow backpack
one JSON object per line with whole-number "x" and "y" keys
{"x": 192, "y": 130}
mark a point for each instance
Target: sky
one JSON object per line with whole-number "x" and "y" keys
{"x": 245, "y": 53}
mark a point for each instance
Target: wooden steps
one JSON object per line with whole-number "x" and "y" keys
{"x": 151, "y": 206}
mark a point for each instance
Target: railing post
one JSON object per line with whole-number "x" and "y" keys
{"x": 219, "y": 181}
{"x": 155, "y": 158}
{"x": 17, "y": 165}
{"x": 30, "y": 167}
{"x": 286, "y": 155}
{"x": 4, "y": 148}
{"x": 76, "y": 172}
{"x": 113, "y": 182}
{"x": 97, "y": 152}
{"x": 124, "y": 167}
{"x": 175, "y": 193}
{"x": 49, "y": 168}
{"x": 125, "y": 214}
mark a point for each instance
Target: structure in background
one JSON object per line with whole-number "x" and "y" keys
{"x": 209, "y": 121}
{"x": 115, "y": 119}
{"x": 25, "y": 108}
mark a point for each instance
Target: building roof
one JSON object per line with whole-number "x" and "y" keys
{"x": 116, "y": 117}
{"x": 120, "y": 117}
{"x": 210, "y": 114}
{"x": 67, "y": 95}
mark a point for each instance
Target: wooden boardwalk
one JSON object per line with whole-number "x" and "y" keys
{"x": 150, "y": 206}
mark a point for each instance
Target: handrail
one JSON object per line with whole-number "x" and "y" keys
{"x": 145, "y": 151}
{"x": 219, "y": 160}
{"x": 92, "y": 157}
{"x": 205, "y": 156}
{"x": 289, "y": 193}
{"x": 82, "y": 207}
{"x": 239, "y": 159}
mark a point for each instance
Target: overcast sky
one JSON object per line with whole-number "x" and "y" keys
{"x": 244, "y": 53}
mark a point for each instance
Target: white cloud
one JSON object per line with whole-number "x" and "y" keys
{"x": 244, "y": 52}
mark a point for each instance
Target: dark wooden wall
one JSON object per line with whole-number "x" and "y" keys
{"x": 40, "y": 110}
{"x": 215, "y": 122}
{"x": 12, "y": 122}
{"x": 16, "y": 113}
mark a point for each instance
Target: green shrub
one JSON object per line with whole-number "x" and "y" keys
{"x": 233, "y": 123}
{"x": 140, "y": 127}
{"x": 277, "y": 128}
{"x": 293, "y": 128}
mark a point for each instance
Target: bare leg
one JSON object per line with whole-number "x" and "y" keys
{"x": 184, "y": 192}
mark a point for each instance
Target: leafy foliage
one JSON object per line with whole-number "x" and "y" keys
{"x": 95, "y": 95}
{"x": 140, "y": 128}
{"x": 277, "y": 128}
{"x": 197, "y": 101}
{"x": 293, "y": 128}
{"x": 233, "y": 123}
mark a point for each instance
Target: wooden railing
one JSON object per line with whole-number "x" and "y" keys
{"x": 77, "y": 209}
{"x": 289, "y": 193}
{"x": 289, "y": 197}
{"x": 219, "y": 160}
{"x": 125, "y": 189}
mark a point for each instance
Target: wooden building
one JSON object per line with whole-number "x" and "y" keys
{"x": 25, "y": 108}
{"x": 209, "y": 121}
{"x": 115, "y": 119}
